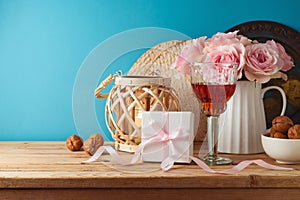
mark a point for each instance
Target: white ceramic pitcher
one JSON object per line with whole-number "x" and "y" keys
{"x": 244, "y": 120}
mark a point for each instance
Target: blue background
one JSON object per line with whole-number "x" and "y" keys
{"x": 44, "y": 42}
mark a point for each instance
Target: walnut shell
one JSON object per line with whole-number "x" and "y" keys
{"x": 272, "y": 131}
{"x": 280, "y": 135}
{"x": 74, "y": 143}
{"x": 294, "y": 132}
{"x": 282, "y": 124}
{"x": 92, "y": 144}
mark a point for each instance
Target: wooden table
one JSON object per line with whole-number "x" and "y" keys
{"x": 47, "y": 170}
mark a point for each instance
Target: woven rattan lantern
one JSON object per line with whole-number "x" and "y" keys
{"x": 130, "y": 96}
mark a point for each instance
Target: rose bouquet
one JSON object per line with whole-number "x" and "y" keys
{"x": 256, "y": 61}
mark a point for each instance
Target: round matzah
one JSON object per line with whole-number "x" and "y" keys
{"x": 158, "y": 61}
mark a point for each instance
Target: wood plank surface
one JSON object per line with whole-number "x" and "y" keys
{"x": 49, "y": 167}
{"x": 150, "y": 194}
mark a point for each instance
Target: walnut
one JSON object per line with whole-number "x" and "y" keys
{"x": 282, "y": 124}
{"x": 294, "y": 132}
{"x": 92, "y": 144}
{"x": 74, "y": 143}
{"x": 280, "y": 135}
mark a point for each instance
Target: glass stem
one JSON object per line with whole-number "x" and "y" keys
{"x": 212, "y": 135}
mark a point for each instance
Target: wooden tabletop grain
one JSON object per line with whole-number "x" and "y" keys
{"x": 48, "y": 170}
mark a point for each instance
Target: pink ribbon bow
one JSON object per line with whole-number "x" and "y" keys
{"x": 169, "y": 141}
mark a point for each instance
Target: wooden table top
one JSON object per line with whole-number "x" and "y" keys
{"x": 28, "y": 166}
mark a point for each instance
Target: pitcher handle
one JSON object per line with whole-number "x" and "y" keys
{"x": 264, "y": 90}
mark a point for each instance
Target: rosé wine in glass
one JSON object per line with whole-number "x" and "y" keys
{"x": 213, "y": 97}
{"x": 213, "y": 84}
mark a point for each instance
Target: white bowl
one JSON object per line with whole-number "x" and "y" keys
{"x": 284, "y": 151}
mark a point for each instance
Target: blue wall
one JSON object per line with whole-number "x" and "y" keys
{"x": 43, "y": 43}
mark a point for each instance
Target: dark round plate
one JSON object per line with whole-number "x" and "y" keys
{"x": 290, "y": 39}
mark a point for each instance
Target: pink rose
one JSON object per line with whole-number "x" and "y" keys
{"x": 220, "y": 39}
{"x": 192, "y": 52}
{"x": 288, "y": 63}
{"x": 262, "y": 62}
{"x": 228, "y": 53}
{"x": 226, "y": 48}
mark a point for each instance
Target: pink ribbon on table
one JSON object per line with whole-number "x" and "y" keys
{"x": 239, "y": 167}
{"x": 168, "y": 163}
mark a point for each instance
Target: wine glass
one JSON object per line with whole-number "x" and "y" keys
{"x": 213, "y": 85}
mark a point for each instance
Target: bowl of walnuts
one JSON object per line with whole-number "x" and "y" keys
{"x": 282, "y": 141}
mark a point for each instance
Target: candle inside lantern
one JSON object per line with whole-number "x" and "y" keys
{"x": 146, "y": 105}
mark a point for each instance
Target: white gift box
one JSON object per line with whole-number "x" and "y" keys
{"x": 167, "y": 135}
